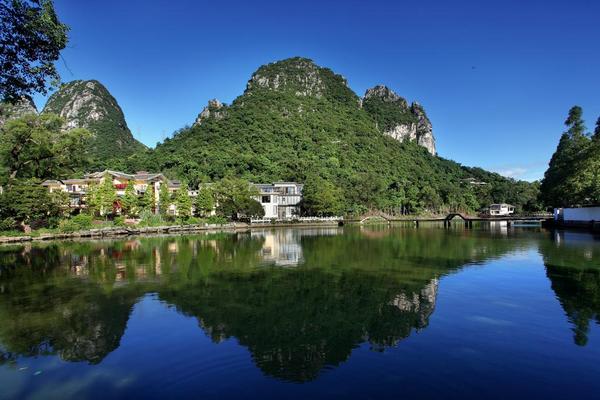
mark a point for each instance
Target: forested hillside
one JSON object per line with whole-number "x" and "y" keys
{"x": 297, "y": 121}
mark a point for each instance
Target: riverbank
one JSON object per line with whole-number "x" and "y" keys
{"x": 154, "y": 230}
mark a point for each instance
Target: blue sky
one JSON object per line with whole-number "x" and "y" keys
{"x": 495, "y": 77}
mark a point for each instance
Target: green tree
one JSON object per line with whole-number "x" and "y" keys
{"x": 584, "y": 182}
{"x": 232, "y": 196}
{"x": 205, "y": 202}
{"x": 92, "y": 199}
{"x": 251, "y": 208}
{"x": 35, "y": 146}
{"x": 413, "y": 203}
{"x": 395, "y": 199}
{"x": 183, "y": 202}
{"x": 430, "y": 199}
{"x": 28, "y": 202}
{"x": 575, "y": 122}
{"x": 557, "y": 186}
{"x": 146, "y": 200}
{"x": 596, "y": 136}
{"x": 31, "y": 39}
{"x": 368, "y": 189}
{"x": 164, "y": 199}
{"x": 129, "y": 200}
{"x": 101, "y": 197}
{"x": 321, "y": 198}
{"x": 472, "y": 204}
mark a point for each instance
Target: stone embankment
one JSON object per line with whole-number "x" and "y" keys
{"x": 153, "y": 230}
{"x": 124, "y": 231}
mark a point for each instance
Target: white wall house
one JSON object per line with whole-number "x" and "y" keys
{"x": 280, "y": 200}
{"x": 501, "y": 209}
{"x": 579, "y": 214}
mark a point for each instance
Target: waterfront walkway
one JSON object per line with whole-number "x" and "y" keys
{"x": 447, "y": 220}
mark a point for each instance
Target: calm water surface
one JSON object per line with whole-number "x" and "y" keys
{"x": 367, "y": 312}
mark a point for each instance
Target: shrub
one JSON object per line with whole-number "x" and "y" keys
{"x": 83, "y": 221}
{"x": 119, "y": 221}
{"x": 7, "y": 224}
{"x": 148, "y": 218}
{"x": 67, "y": 225}
{"x": 53, "y": 222}
{"x": 216, "y": 219}
{"x": 77, "y": 223}
{"x": 193, "y": 221}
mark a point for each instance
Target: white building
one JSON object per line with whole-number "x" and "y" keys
{"x": 280, "y": 200}
{"x": 577, "y": 214}
{"x": 501, "y": 209}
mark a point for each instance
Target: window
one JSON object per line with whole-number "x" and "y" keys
{"x": 266, "y": 199}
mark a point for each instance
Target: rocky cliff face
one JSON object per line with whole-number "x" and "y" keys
{"x": 424, "y": 128}
{"x": 299, "y": 74}
{"x": 303, "y": 79}
{"x": 88, "y": 104}
{"x": 214, "y": 109}
{"x": 395, "y": 118}
{"x": 17, "y": 110}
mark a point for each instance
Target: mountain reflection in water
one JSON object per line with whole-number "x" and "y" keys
{"x": 300, "y": 300}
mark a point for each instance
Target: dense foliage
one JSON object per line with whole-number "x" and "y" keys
{"x": 31, "y": 38}
{"x": 321, "y": 198}
{"x": 205, "y": 202}
{"x": 26, "y": 202}
{"x": 35, "y": 147}
{"x": 573, "y": 175}
{"x": 234, "y": 198}
{"x": 164, "y": 199}
{"x": 183, "y": 202}
{"x": 101, "y": 198}
{"x": 297, "y": 121}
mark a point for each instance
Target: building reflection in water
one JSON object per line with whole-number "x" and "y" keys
{"x": 283, "y": 247}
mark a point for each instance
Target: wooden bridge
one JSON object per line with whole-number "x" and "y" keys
{"x": 447, "y": 220}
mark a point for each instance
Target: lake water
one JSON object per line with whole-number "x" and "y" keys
{"x": 372, "y": 312}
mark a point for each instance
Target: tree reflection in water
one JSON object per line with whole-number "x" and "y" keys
{"x": 300, "y": 300}
{"x": 572, "y": 261}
